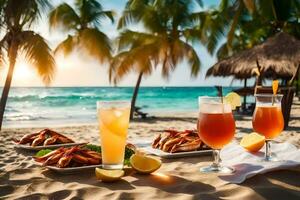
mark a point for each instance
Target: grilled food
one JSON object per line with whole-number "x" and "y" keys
{"x": 173, "y": 141}
{"x": 43, "y": 138}
{"x": 70, "y": 157}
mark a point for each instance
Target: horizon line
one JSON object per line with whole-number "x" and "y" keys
{"x": 114, "y": 86}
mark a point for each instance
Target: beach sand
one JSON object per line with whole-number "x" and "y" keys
{"x": 178, "y": 179}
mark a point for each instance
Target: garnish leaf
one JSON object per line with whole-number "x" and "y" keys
{"x": 42, "y": 152}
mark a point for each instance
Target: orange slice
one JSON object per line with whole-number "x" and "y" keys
{"x": 253, "y": 142}
{"x": 144, "y": 164}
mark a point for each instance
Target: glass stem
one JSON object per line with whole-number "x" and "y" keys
{"x": 268, "y": 150}
{"x": 217, "y": 159}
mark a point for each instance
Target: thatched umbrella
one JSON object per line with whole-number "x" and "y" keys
{"x": 277, "y": 57}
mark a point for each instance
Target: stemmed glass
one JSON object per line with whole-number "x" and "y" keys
{"x": 268, "y": 120}
{"x": 216, "y": 128}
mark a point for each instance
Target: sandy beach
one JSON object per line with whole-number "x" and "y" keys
{"x": 21, "y": 178}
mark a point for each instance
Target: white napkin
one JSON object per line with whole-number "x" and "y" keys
{"x": 248, "y": 165}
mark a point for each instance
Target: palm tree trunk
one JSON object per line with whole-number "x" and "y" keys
{"x": 12, "y": 54}
{"x": 135, "y": 93}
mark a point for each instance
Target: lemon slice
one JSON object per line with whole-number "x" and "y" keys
{"x": 108, "y": 175}
{"x": 233, "y": 99}
{"x": 253, "y": 142}
{"x": 144, "y": 164}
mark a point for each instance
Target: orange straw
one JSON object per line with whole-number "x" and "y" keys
{"x": 275, "y": 89}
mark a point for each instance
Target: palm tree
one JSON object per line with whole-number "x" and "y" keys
{"x": 16, "y": 19}
{"x": 168, "y": 26}
{"x": 246, "y": 23}
{"x": 82, "y": 21}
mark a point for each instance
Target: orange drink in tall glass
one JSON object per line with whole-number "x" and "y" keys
{"x": 113, "y": 119}
{"x": 268, "y": 120}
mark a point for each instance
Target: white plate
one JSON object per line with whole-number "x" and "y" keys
{"x": 68, "y": 170}
{"x": 71, "y": 170}
{"x": 163, "y": 154}
{"x": 37, "y": 148}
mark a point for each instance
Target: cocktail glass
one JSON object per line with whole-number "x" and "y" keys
{"x": 268, "y": 120}
{"x": 216, "y": 128}
{"x": 113, "y": 117}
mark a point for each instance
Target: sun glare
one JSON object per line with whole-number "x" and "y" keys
{"x": 23, "y": 71}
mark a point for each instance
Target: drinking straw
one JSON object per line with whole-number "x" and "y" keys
{"x": 220, "y": 94}
{"x": 274, "y": 88}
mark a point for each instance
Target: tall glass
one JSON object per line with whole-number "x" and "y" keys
{"x": 113, "y": 117}
{"x": 268, "y": 120}
{"x": 216, "y": 128}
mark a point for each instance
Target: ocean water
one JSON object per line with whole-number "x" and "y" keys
{"x": 37, "y": 106}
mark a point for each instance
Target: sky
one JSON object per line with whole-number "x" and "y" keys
{"x": 81, "y": 70}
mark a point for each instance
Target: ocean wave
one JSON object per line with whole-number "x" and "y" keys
{"x": 24, "y": 118}
{"x": 38, "y": 97}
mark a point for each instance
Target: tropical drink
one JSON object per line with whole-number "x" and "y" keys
{"x": 268, "y": 120}
{"x": 113, "y": 126}
{"x": 216, "y": 128}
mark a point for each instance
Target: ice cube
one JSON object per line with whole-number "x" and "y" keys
{"x": 118, "y": 113}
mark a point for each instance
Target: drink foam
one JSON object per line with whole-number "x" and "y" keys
{"x": 214, "y": 107}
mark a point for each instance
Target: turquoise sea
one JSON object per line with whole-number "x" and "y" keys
{"x": 39, "y": 106}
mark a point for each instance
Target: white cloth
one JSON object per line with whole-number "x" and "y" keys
{"x": 247, "y": 164}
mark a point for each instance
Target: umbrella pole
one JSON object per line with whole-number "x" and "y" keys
{"x": 245, "y": 97}
{"x": 258, "y": 81}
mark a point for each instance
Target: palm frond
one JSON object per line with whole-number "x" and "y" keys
{"x": 115, "y": 62}
{"x": 131, "y": 39}
{"x": 140, "y": 59}
{"x": 3, "y": 48}
{"x": 192, "y": 58}
{"x": 222, "y": 52}
{"x": 88, "y": 8}
{"x": 1, "y": 57}
{"x": 24, "y": 12}
{"x": 121, "y": 64}
{"x": 67, "y": 46}
{"x": 234, "y": 24}
{"x": 96, "y": 44}
{"x": 132, "y": 13}
{"x": 177, "y": 52}
{"x": 91, "y": 12}
{"x": 38, "y": 54}
{"x": 140, "y": 11}
{"x": 193, "y": 34}
{"x": 109, "y": 14}
{"x": 64, "y": 16}
{"x": 213, "y": 30}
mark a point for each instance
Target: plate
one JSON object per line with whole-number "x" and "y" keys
{"x": 37, "y": 148}
{"x": 163, "y": 154}
{"x": 71, "y": 170}
{"x": 68, "y": 170}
